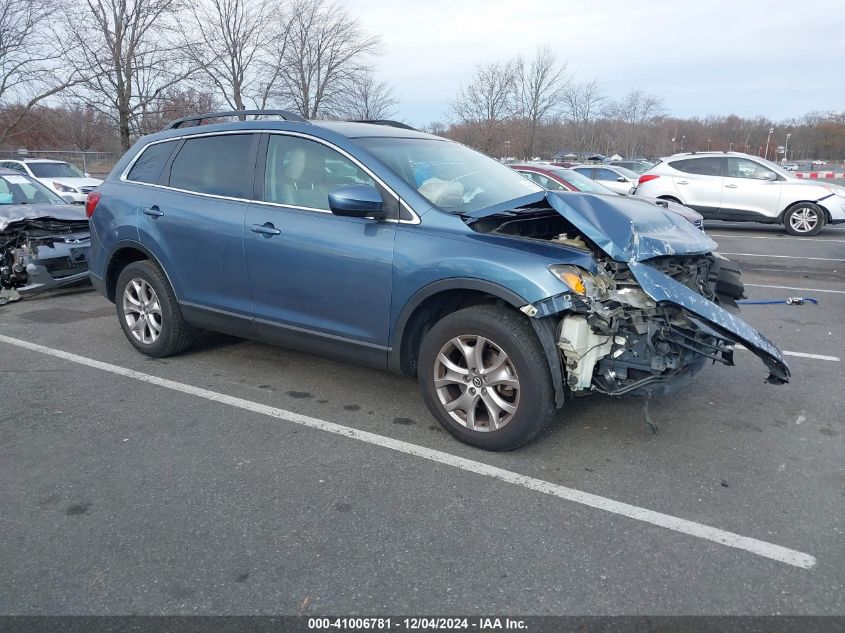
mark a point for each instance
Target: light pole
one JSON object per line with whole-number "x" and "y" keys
{"x": 730, "y": 147}
{"x": 683, "y": 140}
{"x": 786, "y": 148}
{"x": 708, "y": 144}
{"x": 771, "y": 131}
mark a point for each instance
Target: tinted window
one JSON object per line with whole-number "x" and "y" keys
{"x": 217, "y": 165}
{"x": 301, "y": 173}
{"x": 150, "y": 163}
{"x": 700, "y": 166}
{"x": 585, "y": 171}
{"x": 743, "y": 168}
{"x": 547, "y": 183}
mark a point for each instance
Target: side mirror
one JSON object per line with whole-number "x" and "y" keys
{"x": 356, "y": 201}
{"x": 87, "y": 175}
{"x": 770, "y": 175}
{"x": 621, "y": 179}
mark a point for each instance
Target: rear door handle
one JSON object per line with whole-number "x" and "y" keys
{"x": 153, "y": 211}
{"x": 267, "y": 229}
{"x": 731, "y": 186}
{"x": 683, "y": 182}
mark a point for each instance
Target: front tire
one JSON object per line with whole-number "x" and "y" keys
{"x": 485, "y": 377}
{"x": 148, "y": 312}
{"x": 804, "y": 219}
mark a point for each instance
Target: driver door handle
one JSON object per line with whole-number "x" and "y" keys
{"x": 153, "y": 211}
{"x": 731, "y": 186}
{"x": 267, "y": 229}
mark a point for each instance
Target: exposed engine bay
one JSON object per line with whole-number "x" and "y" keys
{"x": 43, "y": 253}
{"x": 614, "y": 337}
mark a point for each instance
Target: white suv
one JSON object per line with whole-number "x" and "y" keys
{"x": 739, "y": 187}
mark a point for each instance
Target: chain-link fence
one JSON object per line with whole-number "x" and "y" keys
{"x": 98, "y": 164}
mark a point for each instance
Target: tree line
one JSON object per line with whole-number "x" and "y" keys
{"x": 95, "y": 74}
{"x": 128, "y": 65}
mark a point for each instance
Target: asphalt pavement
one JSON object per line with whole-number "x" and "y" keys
{"x": 239, "y": 478}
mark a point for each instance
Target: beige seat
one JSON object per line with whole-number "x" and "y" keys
{"x": 303, "y": 181}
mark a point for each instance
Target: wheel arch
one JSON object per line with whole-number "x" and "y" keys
{"x": 122, "y": 254}
{"x": 818, "y": 203}
{"x": 431, "y": 303}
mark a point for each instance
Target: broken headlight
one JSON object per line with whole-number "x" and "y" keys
{"x": 580, "y": 281}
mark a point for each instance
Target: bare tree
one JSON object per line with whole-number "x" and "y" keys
{"x": 366, "y": 98}
{"x": 583, "y": 103}
{"x": 30, "y": 60}
{"x": 634, "y": 113}
{"x": 486, "y": 102}
{"x": 133, "y": 59}
{"x": 240, "y": 47}
{"x": 326, "y": 47}
{"x": 539, "y": 88}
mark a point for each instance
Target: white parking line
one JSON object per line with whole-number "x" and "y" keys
{"x": 834, "y": 359}
{"x": 838, "y": 292}
{"x": 676, "y": 524}
{"x": 818, "y": 259}
{"x": 767, "y": 237}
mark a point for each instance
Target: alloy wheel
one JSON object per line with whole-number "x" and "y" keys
{"x": 476, "y": 383}
{"x": 142, "y": 311}
{"x": 803, "y": 220}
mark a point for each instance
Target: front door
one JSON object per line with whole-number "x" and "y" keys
{"x": 319, "y": 282}
{"x": 751, "y": 190}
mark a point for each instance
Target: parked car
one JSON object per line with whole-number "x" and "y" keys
{"x": 618, "y": 179}
{"x": 740, "y": 187}
{"x": 790, "y": 166}
{"x": 636, "y": 166}
{"x": 391, "y": 247}
{"x": 555, "y": 179}
{"x": 60, "y": 177}
{"x": 43, "y": 240}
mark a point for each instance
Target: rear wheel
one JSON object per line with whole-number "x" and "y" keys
{"x": 149, "y": 313}
{"x": 485, "y": 377}
{"x": 804, "y": 218}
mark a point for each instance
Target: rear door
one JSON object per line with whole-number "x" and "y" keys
{"x": 751, "y": 190}
{"x": 319, "y": 282}
{"x": 193, "y": 220}
{"x": 699, "y": 183}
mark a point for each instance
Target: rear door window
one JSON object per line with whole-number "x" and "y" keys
{"x": 148, "y": 166}
{"x": 701, "y": 166}
{"x": 605, "y": 174}
{"x": 219, "y": 165}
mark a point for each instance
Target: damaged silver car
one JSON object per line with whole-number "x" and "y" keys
{"x": 44, "y": 241}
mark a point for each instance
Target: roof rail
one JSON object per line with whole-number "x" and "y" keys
{"x": 197, "y": 119}
{"x": 388, "y": 122}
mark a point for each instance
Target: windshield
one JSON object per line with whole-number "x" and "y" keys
{"x": 581, "y": 182}
{"x": 451, "y": 176}
{"x": 54, "y": 170}
{"x": 19, "y": 189}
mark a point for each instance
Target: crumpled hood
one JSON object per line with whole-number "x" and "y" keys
{"x": 10, "y": 213}
{"x": 629, "y": 230}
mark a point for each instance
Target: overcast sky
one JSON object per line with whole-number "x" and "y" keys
{"x": 778, "y": 58}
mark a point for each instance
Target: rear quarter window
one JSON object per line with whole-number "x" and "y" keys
{"x": 148, "y": 166}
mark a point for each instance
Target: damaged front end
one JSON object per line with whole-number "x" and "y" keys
{"x": 652, "y": 311}
{"x": 38, "y": 254}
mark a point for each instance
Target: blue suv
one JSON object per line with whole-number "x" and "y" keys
{"x": 379, "y": 244}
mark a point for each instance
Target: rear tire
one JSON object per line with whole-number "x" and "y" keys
{"x": 148, "y": 312}
{"x": 498, "y": 397}
{"x": 804, "y": 219}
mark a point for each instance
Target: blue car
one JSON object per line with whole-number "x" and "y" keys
{"x": 379, "y": 244}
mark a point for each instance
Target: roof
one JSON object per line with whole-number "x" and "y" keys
{"x": 353, "y": 129}
{"x": 36, "y": 160}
